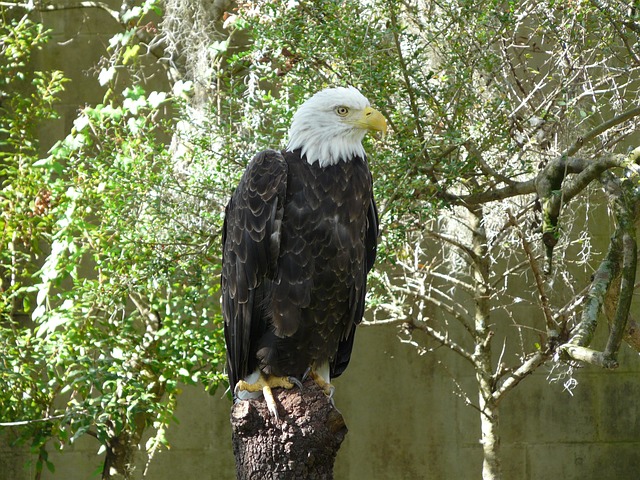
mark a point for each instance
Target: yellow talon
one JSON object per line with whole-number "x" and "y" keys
{"x": 326, "y": 387}
{"x": 265, "y": 384}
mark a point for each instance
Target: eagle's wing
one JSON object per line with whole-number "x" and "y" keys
{"x": 251, "y": 244}
{"x": 343, "y": 355}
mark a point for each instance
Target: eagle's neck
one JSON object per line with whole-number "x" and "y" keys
{"x": 326, "y": 144}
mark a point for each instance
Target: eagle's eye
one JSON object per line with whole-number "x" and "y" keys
{"x": 342, "y": 111}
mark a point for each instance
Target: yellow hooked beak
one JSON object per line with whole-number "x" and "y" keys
{"x": 372, "y": 119}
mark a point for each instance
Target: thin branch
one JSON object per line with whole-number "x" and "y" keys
{"x": 512, "y": 270}
{"x": 535, "y": 268}
{"x": 405, "y": 72}
{"x": 463, "y": 319}
{"x": 603, "y": 127}
{"x": 446, "y": 341}
{"x": 590, "y": 172}
{"x": 442, "y": 338}
{"x": 21, "y": 423}
{"x": 530, "y": 186}
{"x": 452, "y": 280}
{"x": 526, "y": 369}
{"x": 620, "y": 260}
{"x": 450, "y": 310}
{"x": 497, "y": 238}
{"x": 514, "y": 190}
{"x": 85, "y": 4}
{"x": 152, "y": 319}
{"x": 154, "y": 48}
{"x": 385, "y": 323}
{"x": 455, "y": 243}
{"x": 630, "y": 24}
{"x": 582, "y": 333}
{"x": 573, "y": 304}
{"x": 554, "y": 191}
{"x": 486, "y": 169}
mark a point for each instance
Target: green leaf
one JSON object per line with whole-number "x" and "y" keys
{"x": 130, "y": 53}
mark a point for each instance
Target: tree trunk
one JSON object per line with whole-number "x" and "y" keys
{"x": 119, "y": 462}
{"x": 490, "y": 435}
{"x": 489, "y": 425}
{"x": 302, "y": 443}
{"x": 119, "y": 459}
{"x": 123, "y": 446}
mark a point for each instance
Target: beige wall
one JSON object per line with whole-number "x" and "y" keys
{"x": 404, "y": 419}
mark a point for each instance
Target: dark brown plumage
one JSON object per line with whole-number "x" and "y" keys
{"x": 298, "y": 242}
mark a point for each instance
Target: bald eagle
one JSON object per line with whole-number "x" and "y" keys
{"x": 299, "y": 239}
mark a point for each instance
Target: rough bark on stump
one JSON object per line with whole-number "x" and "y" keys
{"x": 301, "y": 444}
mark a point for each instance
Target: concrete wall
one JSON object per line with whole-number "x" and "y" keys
{"x": 405, "y": 419}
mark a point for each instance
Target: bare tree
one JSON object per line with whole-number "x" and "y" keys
{"x": 511, "y": 135}
{"x": 548, "y": 106}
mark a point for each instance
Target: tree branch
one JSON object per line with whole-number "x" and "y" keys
{"x": 554, "y": 192}
{"x": 452, "y": 281}
{"x": 445, "y": 340}
{"x": 526, "y": 369}
{"x": 629, "y": 265}
{"x": 535, "y": 268}
{"x": 22, "y": 423}
{"x": 405, "y": 73}
{"x": 465, "y": 322}
{"x": 455, "y": 243}
{"x": 560, "y": 165}
{"x": 588, "y": 355}
{"x": 621, "y": 259}
{"x": 514, "y": 190}
{"x": 85, "y": 4}
{"x": 603, "y": 127}
{"x": 410, "y": 324}
{"x": 582, "y": 333}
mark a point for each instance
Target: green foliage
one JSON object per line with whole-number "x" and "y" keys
{"x": 109, "y": 261}
{"x": 26, "y": 100}
{"x": 477, "y": 95}
{"x": 437, "y": 71}
{"x": 126, "y": 290}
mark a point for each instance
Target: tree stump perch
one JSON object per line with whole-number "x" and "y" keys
{"x": 301, "y": 444}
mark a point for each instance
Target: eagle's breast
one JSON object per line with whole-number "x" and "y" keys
{"x": 321, "y": 267}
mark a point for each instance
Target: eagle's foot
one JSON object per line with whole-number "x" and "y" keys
{"x": 326, "y": 387}
{"x": 264, "y": 384}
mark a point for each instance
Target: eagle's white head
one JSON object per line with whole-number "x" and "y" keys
{"x": 330, "y": 126}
